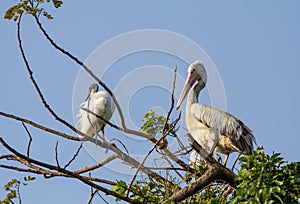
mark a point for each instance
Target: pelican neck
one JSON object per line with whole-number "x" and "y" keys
{"x": 194, "y": 93}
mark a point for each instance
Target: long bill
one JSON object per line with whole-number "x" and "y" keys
{"x": 187, "y": 87}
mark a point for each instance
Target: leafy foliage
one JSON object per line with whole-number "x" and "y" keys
{"x": 13, "y": 189}
{"x": 153, "y": 123}
{"x": 265, "y": 179}
{"x": 262, "y": 178}
{"x": 146, "y": 191}
{"x": 30, "y": 7}
{"x": 120, "y": 188}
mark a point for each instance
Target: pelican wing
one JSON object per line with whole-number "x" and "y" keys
{"x": 225, "y": 124}
{"x": 88, "y": 123}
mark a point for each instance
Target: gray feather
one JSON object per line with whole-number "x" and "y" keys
{"x": 225, "y": 124}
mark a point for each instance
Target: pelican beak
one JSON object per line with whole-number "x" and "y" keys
{"x": 87, "y": 97}
{"x": 191, "y": 78}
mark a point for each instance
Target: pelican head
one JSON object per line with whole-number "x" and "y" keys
{"x": 196, "y": 74}
{"x": 92, "y": 89}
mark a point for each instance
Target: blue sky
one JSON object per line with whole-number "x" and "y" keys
{"x": 254, "y": 45}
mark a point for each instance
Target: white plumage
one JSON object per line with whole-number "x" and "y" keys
{"x": 210, "y": 128}
{"x": 196, "y": 159}
{"x": 99, "y": 103}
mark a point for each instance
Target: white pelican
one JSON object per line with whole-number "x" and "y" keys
{"x": 210, "y": 128}
{"x": 99, "y": 103}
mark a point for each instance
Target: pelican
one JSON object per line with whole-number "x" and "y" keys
{"x": 99, "y": 103}
{"x": 210, "y": 128}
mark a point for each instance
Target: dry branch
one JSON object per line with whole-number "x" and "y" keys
{"x": 41, "y": 127}
{"x": 30, "y": 138}
{"x": 29, "y": 160}
{"x": 215, "y": 171}
{"x": 97, "y": 165}
{"x": 74, "y": 156}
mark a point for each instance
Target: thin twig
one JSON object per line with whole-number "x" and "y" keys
{"x": 30, "y": 139}
{"x": 19, "y": 169}
{"x": 182, "y": 178}
{"x": 37, "y": 88}
{"x": 85, "y": 68}
{"x": 7, "y": 115}
{"x": 56, "y": 154}
{"x": 74, "y": 156}
{"x": 235, "y": 161}
{"x": 92, "y": 195}
{"x": 97, "y": 165}
{"x": 93, "y": 192}
{"x": 134, "y": 132}
{"x": 121, "y": 144}
{"x": 6, "y": 156}
{"x": 102, "y": 197}
{"x": 161, "y": 139}
{"x": 39, "y": 170}
{"x": 172, "y": 100}
{"x": 166, "y": 168}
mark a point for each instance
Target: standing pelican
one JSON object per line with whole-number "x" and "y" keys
{"x": 99, "y": 103}
{"x": 210, "y": 128}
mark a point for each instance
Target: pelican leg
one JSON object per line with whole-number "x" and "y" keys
{"x": 226, "y": 158}
{"x": 102, "y": 134}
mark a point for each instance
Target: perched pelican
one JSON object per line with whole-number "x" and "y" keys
{"x": 99, "y": 103}
{"x": 210, "y": 128}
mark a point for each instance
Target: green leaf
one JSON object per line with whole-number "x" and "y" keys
{"x": 57, "y": 3}
{"x": 47, "y": 15}
{"x": 12, "y": 11}
{"x": 153, "y": 123}
{"x": 120, "y": 188}
{"x": 279, "y": 183}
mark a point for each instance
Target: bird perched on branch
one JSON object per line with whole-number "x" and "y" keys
{"x": 99, "y": 103}
{"x": 210, "y": 128}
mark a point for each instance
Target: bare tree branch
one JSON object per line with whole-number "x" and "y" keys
{"x": 97, "y": 165}
{"x": 158, "y": 141}
{"x": 70, "y": 173}
{"x": 55, "y": 132}
{"x": 235, "y": 161}
{"x": 92, "y": 195}
{"x": 46, "y": 173}
{"x": 85, "y": 68}
{"x": 125, "y": 148}
{"x": 56, "y": 154}
{"x": 102, "y": 197}
{"x": 30, "y": 73}
{"x": 19, "y": 169}
{"x": 74, "y": 156}
{"x": 30, "y": 139}
{"x": 215, "y": 171}
{"x": 134, "y": 132}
